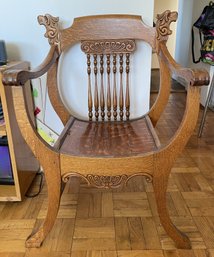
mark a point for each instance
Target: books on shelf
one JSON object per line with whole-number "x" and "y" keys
{"x": 2, "y": 122}
{"x": 1, "y": 114}
{"x": 6, "y": 174}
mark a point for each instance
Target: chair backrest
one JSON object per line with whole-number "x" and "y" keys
{"x": 108, "y": 42}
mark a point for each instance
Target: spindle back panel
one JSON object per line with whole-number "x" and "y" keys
{"x": 110, "y": 58}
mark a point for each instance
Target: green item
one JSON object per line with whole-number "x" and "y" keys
{"x": 35, "y": 92}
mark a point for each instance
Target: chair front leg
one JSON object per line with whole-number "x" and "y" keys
{"x": 54, "y": 185}
{"x": 49, "y": 160}
{"x": 164, "y": 160}
{"x": 160, "y": 183}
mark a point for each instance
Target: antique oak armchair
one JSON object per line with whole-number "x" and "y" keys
{"x": 110, "y": 148}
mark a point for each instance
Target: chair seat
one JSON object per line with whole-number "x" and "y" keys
{"x": 110, "y": 139}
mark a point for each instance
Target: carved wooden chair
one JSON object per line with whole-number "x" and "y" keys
{"x": 110, "y": 148}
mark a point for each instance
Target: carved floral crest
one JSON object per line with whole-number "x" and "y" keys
{"x": 52, "y": 28}
{"x": 163, "y": 24}
{"x": 106, "y": 181}
{"x": 108, "y": 46}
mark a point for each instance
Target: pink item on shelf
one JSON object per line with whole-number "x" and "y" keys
{"x": 2, "y": 122}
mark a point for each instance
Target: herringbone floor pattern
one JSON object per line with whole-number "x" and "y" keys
{"x": 124, "y": 222}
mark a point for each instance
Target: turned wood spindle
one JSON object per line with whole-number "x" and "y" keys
{"x": 127, "y": 86}
{"x": 96, "y": 97}
{"x": 108, "y": 88}
{"x": 121, "y": 87}
{"x": 115, "y": 87}
{"x": 102, "y": 99}
{"x": 118, "y": 104}
{"x": 90, "y": 102}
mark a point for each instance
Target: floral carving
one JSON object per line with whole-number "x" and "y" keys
{"x": 106, "y": 181}
{"x": 163, "y": 23}
{"x": 52, "y": 28}
{"x": 108, "y": 46}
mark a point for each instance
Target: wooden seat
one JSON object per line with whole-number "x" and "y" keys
{"x": 110, "y": 140}
{"x": 110, "y": 148}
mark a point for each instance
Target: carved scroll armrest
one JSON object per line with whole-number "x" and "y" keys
{"x": 17, "y": 77}
{"x": 194, "y": 77}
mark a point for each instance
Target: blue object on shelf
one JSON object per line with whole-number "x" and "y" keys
{"x": 3, "y": 53}
{"x": 6, "y": 174}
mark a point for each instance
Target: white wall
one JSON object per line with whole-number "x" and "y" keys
{"x": 24, "y": 37}
{"x": 183, "y": 37}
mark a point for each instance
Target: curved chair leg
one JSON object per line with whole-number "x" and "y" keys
{"x": 160, "y": 186}
{"x": 49, "y": 160}
{"x": 53, "y": 180}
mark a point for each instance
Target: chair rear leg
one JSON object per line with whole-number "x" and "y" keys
{"x": 160, "y": 186}
{"x": 53, "y": 180}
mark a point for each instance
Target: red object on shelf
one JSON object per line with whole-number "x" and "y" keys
{"x": 37, "y": 111}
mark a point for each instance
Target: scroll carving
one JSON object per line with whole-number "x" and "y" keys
{"x": 106, "y": 181}
{"x": 108, "y": 46}
{"x": 52, "y": 28}
{"x": 163, "y": 24}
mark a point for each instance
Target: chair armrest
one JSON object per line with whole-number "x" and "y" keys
{"x": 170, "y": 151}
{"x": 17, "y": 77}
{"x": 194, "y": 77}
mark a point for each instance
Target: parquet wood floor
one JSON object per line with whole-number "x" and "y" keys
{"x": 124, "y": 222}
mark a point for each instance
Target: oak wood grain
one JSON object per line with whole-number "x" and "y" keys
{"x": 103, "y": 27}
{"x": 191, "y": 204}
{"x": 107, "y": 154}
{"x": 54, "y": 95}
{"x": 20, "y": 77}
{"x": 110, "y": 140}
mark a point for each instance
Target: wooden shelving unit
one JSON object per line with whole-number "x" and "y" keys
{"x": 24, "y": 164}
